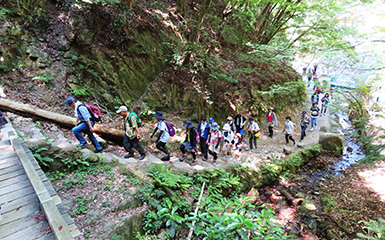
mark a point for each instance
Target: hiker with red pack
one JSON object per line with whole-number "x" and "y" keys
{"x": 85, "y": 121}
{"x": 164, "y": 134}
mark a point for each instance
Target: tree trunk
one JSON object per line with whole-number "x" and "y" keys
{"x": 60, "y": 119}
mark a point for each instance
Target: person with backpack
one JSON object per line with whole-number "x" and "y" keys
{"x": 237, "y": 147}
{"x": 214, "y": 141}
{"x": 325, "y": 103}
{"x": 164, "y": 135}
{"x": 190, "y": 143}
{"x": 131, "y": 136}
{"x": 289, "y": 128}
{"x": 228, "y": 139}
{"x": 240, "y": 122}
{"x": 305, "y": 120}
{"x": 314, "y": 98}
{"x": 254, "y": 133}
{"x": 314, "y": 110}
{"x": 230, "y": 122}
{"x": 203, "y": 131}
{"x": 84, "y": 123}
{"x": 271, "y": 120}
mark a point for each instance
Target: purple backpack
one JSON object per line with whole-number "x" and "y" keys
{"x": 170, "y": 128}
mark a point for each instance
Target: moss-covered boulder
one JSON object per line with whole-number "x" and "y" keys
{"x": 130, "y": 226}
{"x": 331, "y": 142}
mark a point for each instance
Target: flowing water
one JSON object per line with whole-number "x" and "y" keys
{"x": 352, "y": 152}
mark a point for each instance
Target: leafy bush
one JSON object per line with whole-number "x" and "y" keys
{"x": 375, "y": 230}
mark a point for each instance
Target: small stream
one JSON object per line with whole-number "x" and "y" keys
{"x": 352, "y": 152}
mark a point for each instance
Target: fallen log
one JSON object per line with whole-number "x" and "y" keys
{"x": 291, "y": 200}
{"x": 60, "y": 119}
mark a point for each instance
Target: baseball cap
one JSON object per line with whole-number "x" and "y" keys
{"x": 122, "y": 109}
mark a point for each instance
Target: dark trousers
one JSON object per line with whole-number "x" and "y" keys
{"x": 184, "y": 150}
{"x": 128, "y": 144}
{"x": 271, "y": 134}
{"x": 214, "y": 154}
{"x": 303, "y": 133}
{"x": 203, "y": 145}
{"x": 162, "y": 147}
{"x": 288, "y": 136}
{"x": 253, "y": 139}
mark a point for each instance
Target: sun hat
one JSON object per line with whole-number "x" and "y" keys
{"x": 215, "y": 126}
{"x": 226, "y": 127}
{"x": 122, "y": 109}
{"x": 158, "y": 115}
{"x": 69, "y": 101}
{"x": 188, "y": 124}
{"x": 211, "y": 119}
{"x": 251, "y": 119}
{"x": 229, "y": 118}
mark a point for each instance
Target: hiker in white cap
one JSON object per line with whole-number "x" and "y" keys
{"x": 131, "y": 136}
{"x": 228, "y": 139}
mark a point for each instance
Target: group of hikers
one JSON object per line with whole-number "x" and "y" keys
{"x": 207, "y": 135}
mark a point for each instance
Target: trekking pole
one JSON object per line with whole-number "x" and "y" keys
{"x": 196, "y": 212}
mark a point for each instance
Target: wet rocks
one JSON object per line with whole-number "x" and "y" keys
{"x": 331, "y": 142}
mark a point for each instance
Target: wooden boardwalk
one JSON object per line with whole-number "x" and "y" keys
{"x": 30, "y": 207}
{"x": 20, "y": 208}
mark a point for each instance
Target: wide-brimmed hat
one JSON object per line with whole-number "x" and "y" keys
{"x": 188, "y": 124}
{"x": 69, "y": 101}
{"x": 122, "y": 109}
{"x": 215, "y": 126}
{"x": 211, "y": 119}
{"x": 159, "y": 115}
{"x": 226, "y": 127}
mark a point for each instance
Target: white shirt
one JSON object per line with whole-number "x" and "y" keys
{"x": 162, "y": 127}
{"x": 289, "y": 127}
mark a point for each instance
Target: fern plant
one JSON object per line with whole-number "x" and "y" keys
{"x": 375, "y": 230}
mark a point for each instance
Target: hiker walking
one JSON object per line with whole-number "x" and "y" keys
{"x": 309, "y": 77}
{"x": 228, "y": 139}
{"x": 325, "y": 103}
{"x": 305, "y": 120}
{"x": 240, "y": 122}
{"x": 289, "y": 128}
{"x": 271, "y": 120}
{"x": 214, "y": 141}
{"x": 84, "y": 124}
{"x": 164, "y": 135}
{"x": 131, "y": 136}
{"x": 314, "y": 98}
{"x": 230, "y": 122}
{"x": 314, "y": 110}
{"x": 190, "y": 143}
{"x": 203, "y": 131}
{"x": 254, "y": 133}
{"x": 237, "y": 147}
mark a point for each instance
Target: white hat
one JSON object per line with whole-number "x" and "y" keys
{"x": 122, "y": 109}
{"x": 229, "y": 118}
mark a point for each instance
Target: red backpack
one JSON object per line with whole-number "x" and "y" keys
{"x": 96, "y": 114}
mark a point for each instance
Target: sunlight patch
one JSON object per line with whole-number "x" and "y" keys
{"x": 375, "y": 178}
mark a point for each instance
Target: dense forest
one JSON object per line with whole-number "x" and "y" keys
{"x": 208, "y": 58}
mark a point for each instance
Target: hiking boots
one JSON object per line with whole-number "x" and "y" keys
{"x": 184, "y": 157}
{"x": 130, "y": 155}
{"x": 82, "y": 144}
{"x": 142, "y": 157}
{"x": 165, "y": 158}
{"x": 98, "y": 151}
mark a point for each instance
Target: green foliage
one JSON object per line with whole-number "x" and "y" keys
{"x": 41, "y": 159}
{"x": 375, "y": 230}
{"x": 81, "y": 205}
{"x": 83, "y": 91}
{"x": 328, "y": 202}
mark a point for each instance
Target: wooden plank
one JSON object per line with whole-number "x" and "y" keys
{"x": 14, "y": 187}
{"x": 22, "y": 212}
{"x": 49, "y": 236}
{"x": 8, "y": 159}
{"x": 12, "y": 174}
{"x": 13, "y": 227}
{"x": 16, "y": 194}
{"x": 5, "y": 156}
{"x": 12, "y": 180}
{"x": 10, "y": 169}
{"x": 12, "y": 163}
{"x": 9, "y": 162}
{"x": 11, "y": 206}
{"x": 37, "y": 230}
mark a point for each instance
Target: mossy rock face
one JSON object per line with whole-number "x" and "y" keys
{"x": 331, "y": 142}
{"x": 130, "y": 226}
